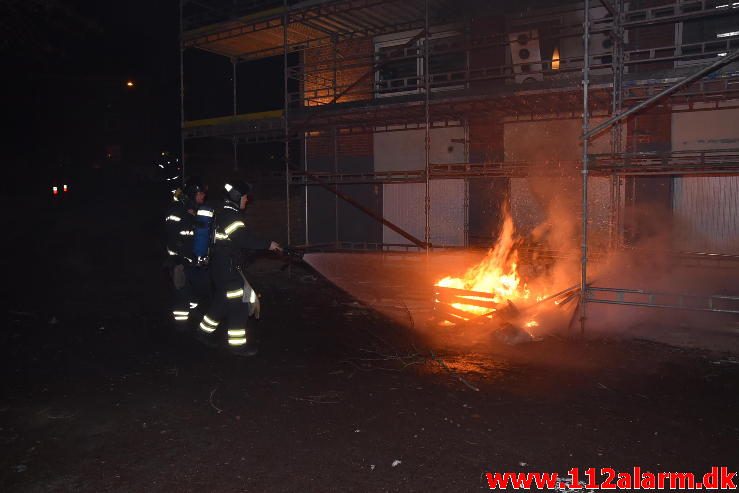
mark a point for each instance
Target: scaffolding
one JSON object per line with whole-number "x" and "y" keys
{"x": 447, "y": 70}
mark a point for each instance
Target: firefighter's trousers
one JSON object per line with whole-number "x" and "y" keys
{"x": 191, "y": 290}
{"x": 227, "y": 316}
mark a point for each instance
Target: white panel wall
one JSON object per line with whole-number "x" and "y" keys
{"x": 406, "y": 150}
{"x": 706, "y": 208}
{"x": 403, "y": 204}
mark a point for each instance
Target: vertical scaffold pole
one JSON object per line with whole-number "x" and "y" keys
{"x": 584, "y": 171}
{"x": 426, "y": 84}
{"x": 234, "y": 139}
{"x": 617, "y": 60}
{"x": 305, "y": 187}
{"x": 335, "y": 142}
{"x": 182, "y": 96}
{"x": 285, "y": 119}
{"x": 335, "y": 137}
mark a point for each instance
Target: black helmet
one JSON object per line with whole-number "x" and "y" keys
{"x": 237, "y": 189}
{"x": 193, "y": 185}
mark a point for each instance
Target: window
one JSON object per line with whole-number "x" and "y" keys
{"x": 709, "y": 37}
{"x": 401, "y": 64}
{"x": 397, "y": 71}
{"x": 447, "y": 61}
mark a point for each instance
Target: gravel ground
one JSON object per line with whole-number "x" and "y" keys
{"x": 99, "y": 394}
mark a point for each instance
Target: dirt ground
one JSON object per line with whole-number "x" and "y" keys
{"x": 98, "y": 394}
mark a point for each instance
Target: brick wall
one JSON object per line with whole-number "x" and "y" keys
{"x": 267, "y": 219}
{"x": 486, "y": 140}
{"x": 650, "y": 131}
{"x": 648, "y": 198}
{"x": 492, "y": 56}
{"x": 321, "y": 149}
{"x": 355, "y": 145}
{"x": 319, "y": 65}
{"x": 329, "y": 218}
{"x": 487, "y": 196}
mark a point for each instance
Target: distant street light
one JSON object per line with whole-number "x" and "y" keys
{"x": 129, "y": 83}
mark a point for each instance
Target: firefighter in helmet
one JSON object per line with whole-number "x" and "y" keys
{"x": 234, "y": 300}
{"x": 190, "y": 282}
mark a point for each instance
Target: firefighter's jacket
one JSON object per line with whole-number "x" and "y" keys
{"x": 232, "y": 240}
{"x": 179, "y": 227}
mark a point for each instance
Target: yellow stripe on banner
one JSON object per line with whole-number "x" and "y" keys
{"x": 226, "y": 120}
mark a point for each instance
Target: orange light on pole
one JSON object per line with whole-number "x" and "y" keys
{"x": 129, "y": 83}
{"x": 555, "y": 59}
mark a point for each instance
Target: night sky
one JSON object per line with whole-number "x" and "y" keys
{"x": 68, "y": 65}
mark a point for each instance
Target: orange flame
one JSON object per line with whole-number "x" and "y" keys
{"x": 496, "y": 274}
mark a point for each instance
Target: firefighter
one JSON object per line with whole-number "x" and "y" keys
{"x": 189, "y": 280}
{"x": 234, "y": 300}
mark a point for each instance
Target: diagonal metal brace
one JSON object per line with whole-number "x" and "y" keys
{"x": 609, "y": 7}
{"x": 725, "y": 60}
{"x": 367, "y": 211}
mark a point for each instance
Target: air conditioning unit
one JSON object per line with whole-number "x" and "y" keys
{"x": 601, "y": 44}
{"x": 600, "y": 49}
{"x": 526, "y": 56}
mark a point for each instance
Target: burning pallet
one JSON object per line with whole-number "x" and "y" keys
{"x": 474, "y": 309}
{"x": 503, "y": 319}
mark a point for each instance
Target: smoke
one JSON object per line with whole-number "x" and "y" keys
{"x": 647, "y": 260}
{"x": 545, "y": 209}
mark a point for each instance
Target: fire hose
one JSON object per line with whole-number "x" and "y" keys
{"x": 291, "y": 255}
